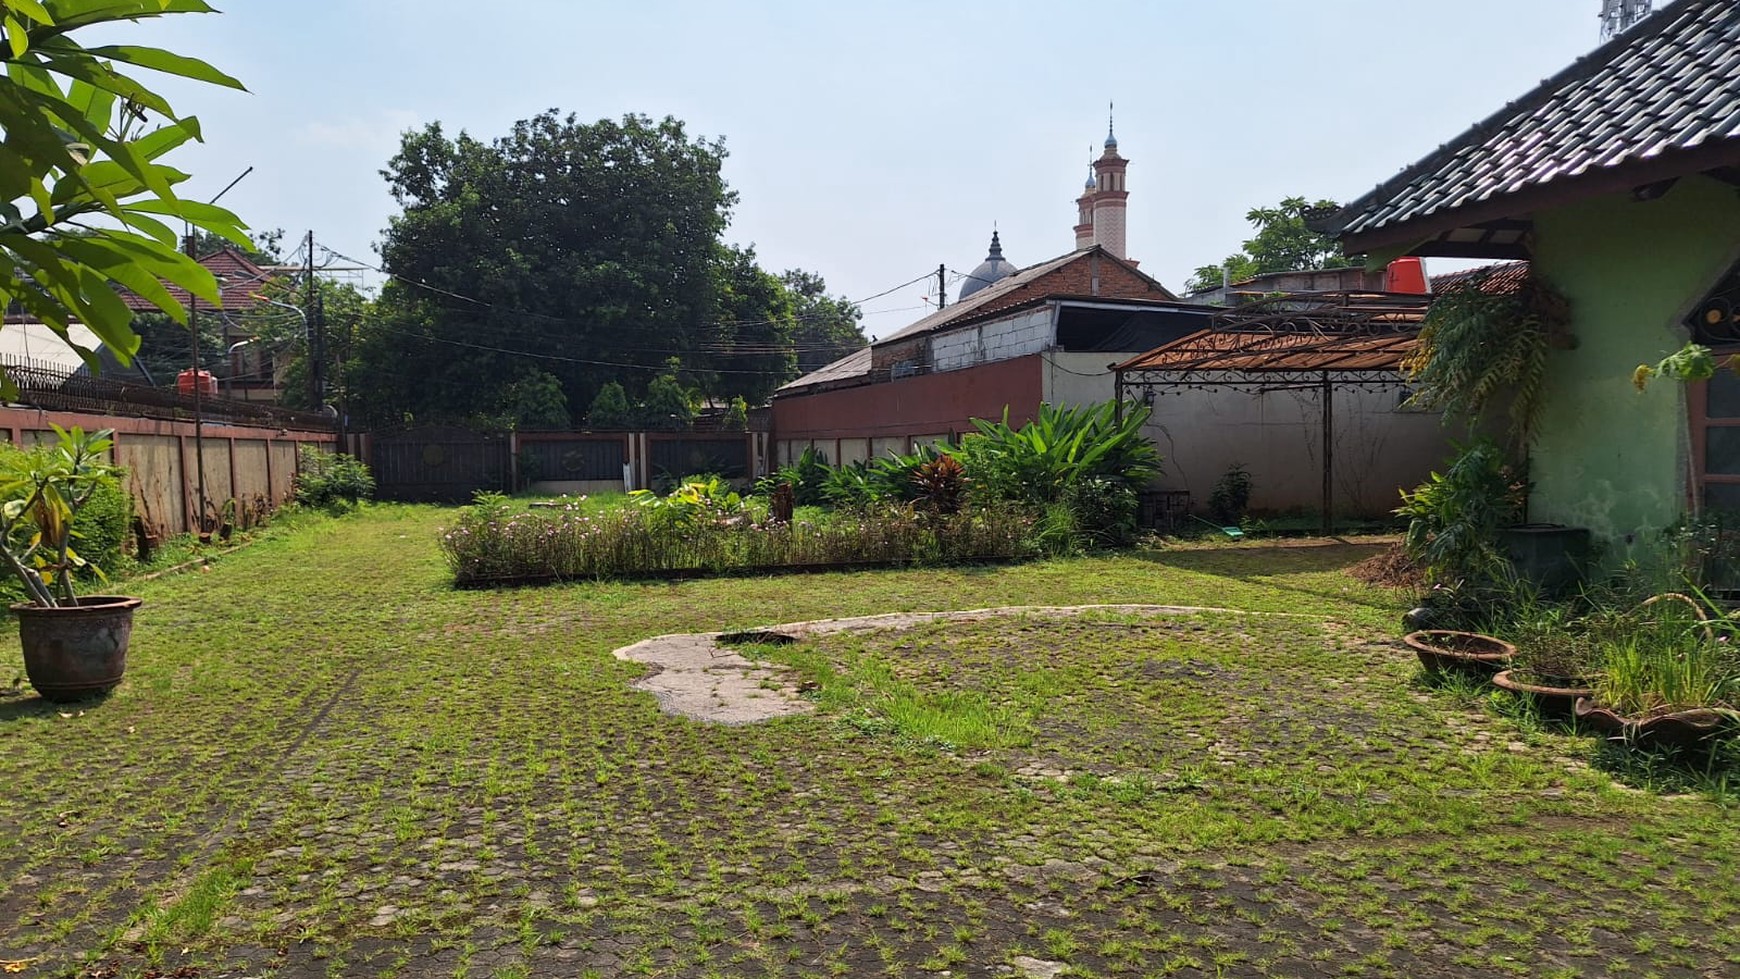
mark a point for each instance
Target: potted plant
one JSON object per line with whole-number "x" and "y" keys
{"x": 1674, "y": 679}
{"x": 1555, "y": 665}
{"x": 1450, "y": 651}
{"x": 73, "y": 647}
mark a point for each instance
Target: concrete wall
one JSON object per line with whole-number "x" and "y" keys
{"x": 254, "y": 466}
{"x": 1005, "y": 339}
{"x": 1608, "y": 457}
{"x": 1278, "y": 438}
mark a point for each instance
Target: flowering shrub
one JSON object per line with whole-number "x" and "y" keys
{"x": 492, "y": 542}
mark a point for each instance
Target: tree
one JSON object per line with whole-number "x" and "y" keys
{"x": 588, "y": 251}
{"x": 827, "y": 327}
{"x": 1282, "y": 243}
{"x": 753, "y": 330}
{"x": 85, "y": 204}
{"x": 610, "y": 409}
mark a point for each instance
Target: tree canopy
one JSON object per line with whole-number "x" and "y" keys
{"x": 565, "y": 256}
{"x": 827, "y": 328}
{"x": 1282, "y": 243}
{"x": 85, "y": 202}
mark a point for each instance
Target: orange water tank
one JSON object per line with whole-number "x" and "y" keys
{"x": 1407, "y": 274}
{"x": 185, "y": 381}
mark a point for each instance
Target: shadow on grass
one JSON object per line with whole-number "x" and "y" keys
{"x": 1268, "y": 564}
{"x": 26, "y": 704}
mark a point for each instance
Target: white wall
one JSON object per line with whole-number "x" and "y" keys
{"x": 1004, "y": 339}
{"x": 1080, "y": 379}
{"x": 1277, "y": 436}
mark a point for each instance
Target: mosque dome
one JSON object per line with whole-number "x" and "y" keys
{"x": 994, "y": 267}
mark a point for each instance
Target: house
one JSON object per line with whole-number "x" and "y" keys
{"x": 1619, "y": 180}
{"x": 1014, "y": 338}
{"x": 251, "y": 373}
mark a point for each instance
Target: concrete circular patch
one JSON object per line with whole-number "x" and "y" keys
{"x": 697, "y": 675}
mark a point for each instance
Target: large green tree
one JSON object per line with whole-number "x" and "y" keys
{"x": 587, "y": 252}
{"x": 85, "y": 202}
{"x": 752, "y": 331}
{"x": 827, "y": 327}
{"x": 1282, "y": 243}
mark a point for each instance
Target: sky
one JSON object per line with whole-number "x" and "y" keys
{"x": 871, "y": 142}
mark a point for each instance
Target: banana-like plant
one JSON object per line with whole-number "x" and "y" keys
{"x": 45, "y": 488}
{"x": 85, "y": 202}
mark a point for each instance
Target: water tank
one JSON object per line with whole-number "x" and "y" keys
{"x": 186, "y": 380}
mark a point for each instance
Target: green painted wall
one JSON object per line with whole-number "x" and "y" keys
{"x": 1607, "y": 457}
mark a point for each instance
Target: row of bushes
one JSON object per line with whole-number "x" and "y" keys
{"x": 493, "y": 542}
{"x": 1080, "y": 467}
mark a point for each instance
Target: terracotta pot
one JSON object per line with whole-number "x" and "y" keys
{"x": 1553, "y": 701}
{"x": 1692, "y": 728}
{"x": 1447, "y": 651}
{"x": 76, "y": 651}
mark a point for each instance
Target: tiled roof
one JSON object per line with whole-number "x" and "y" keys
{"x": 238, "y": 280}
{"x": 1502, "y": 279}
{"x": 983, "y": 299}
{"x": 1262, "y": 352}
{"x": 1670, "y": 85}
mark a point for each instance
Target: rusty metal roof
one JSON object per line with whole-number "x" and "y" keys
{"x": 1250, "y": 352}
{"x": 1367, "y": 332}
{"x": 1669, "y": 86}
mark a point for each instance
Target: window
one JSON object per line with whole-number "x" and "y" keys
{"x": 1715, "y": 424}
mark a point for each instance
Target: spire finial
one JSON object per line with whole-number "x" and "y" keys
{"x": 1111, "y": 139}
{"x": 996, "y": 253}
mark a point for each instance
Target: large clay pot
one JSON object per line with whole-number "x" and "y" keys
{"x": 76, "y": 651}
{"x": 1553, "y": 700}
{"x": 1693, "y": 728}
{"x": 1446, "y": 651}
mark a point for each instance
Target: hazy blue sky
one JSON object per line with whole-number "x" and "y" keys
{"x": 872, "y": 141}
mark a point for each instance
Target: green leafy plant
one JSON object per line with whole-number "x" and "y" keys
{"x": 1454, "y": 517}
{"x": 45, "y": 489}
{"x": 331, "y": 481}
{"x": 808, "y": 474}
{"x": 1102, "y": 512}
{"x": 86, "y": 204}
{"x": 1692, "y": 362}
{"x": 1673, "y": 655}
{"x": 691, "y": 502}
{"x": 1231, "y": 495}
{"x": 1034, "y": 463}
{"x": 1479, "y": 348}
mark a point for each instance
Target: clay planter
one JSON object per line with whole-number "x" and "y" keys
{"x": 1554, "y": 699}
{"x": 76, "y": 651}
{"x": 1446, "y": 651}
{"x": 1694, "y": 728}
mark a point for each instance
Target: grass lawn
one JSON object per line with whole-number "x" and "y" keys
{"x": 326, "y": 761}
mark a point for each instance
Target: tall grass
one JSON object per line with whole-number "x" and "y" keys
{"x": 492, "y": 543}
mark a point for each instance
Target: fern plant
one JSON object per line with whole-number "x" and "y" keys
{"x": 1478, "y": 348}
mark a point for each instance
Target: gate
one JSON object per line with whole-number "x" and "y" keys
{"x": 441, "y": 465}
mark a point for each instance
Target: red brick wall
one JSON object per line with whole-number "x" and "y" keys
{"x": 928, "y": 404}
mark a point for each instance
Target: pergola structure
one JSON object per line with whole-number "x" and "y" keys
{"x": 1297, "y": 342}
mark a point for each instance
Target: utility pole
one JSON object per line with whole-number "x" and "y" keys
{"x": 312, "y": 324}
{"x": 942, "y": 286}
{"x": 192, "y": 247}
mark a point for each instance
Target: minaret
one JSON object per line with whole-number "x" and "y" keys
{"x": 1110, "y": 196}
{"x": 1084, "y": 206}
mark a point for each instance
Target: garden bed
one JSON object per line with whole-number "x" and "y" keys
{"x": 497, "y": 546}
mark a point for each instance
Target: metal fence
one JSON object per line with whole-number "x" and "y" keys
{"x": 673, "y": 457}
{"x": 441, "y": 465}
{"x": 52, "y": 387}
{"x": 575, "y": 458}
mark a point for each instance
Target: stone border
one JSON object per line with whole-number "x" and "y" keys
{"x": 696, "y": 676}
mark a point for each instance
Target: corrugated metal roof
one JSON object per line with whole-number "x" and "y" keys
{"x": 1670, "y": 84}
{"x": 853, "y": 366}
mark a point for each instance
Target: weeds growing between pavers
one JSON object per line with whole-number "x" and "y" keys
{"x": 327, "y": 762}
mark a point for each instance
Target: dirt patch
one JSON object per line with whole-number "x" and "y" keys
{"x": 1390, "y": 568}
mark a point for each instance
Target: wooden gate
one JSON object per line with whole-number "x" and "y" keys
{"x": 441, "y": 465}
